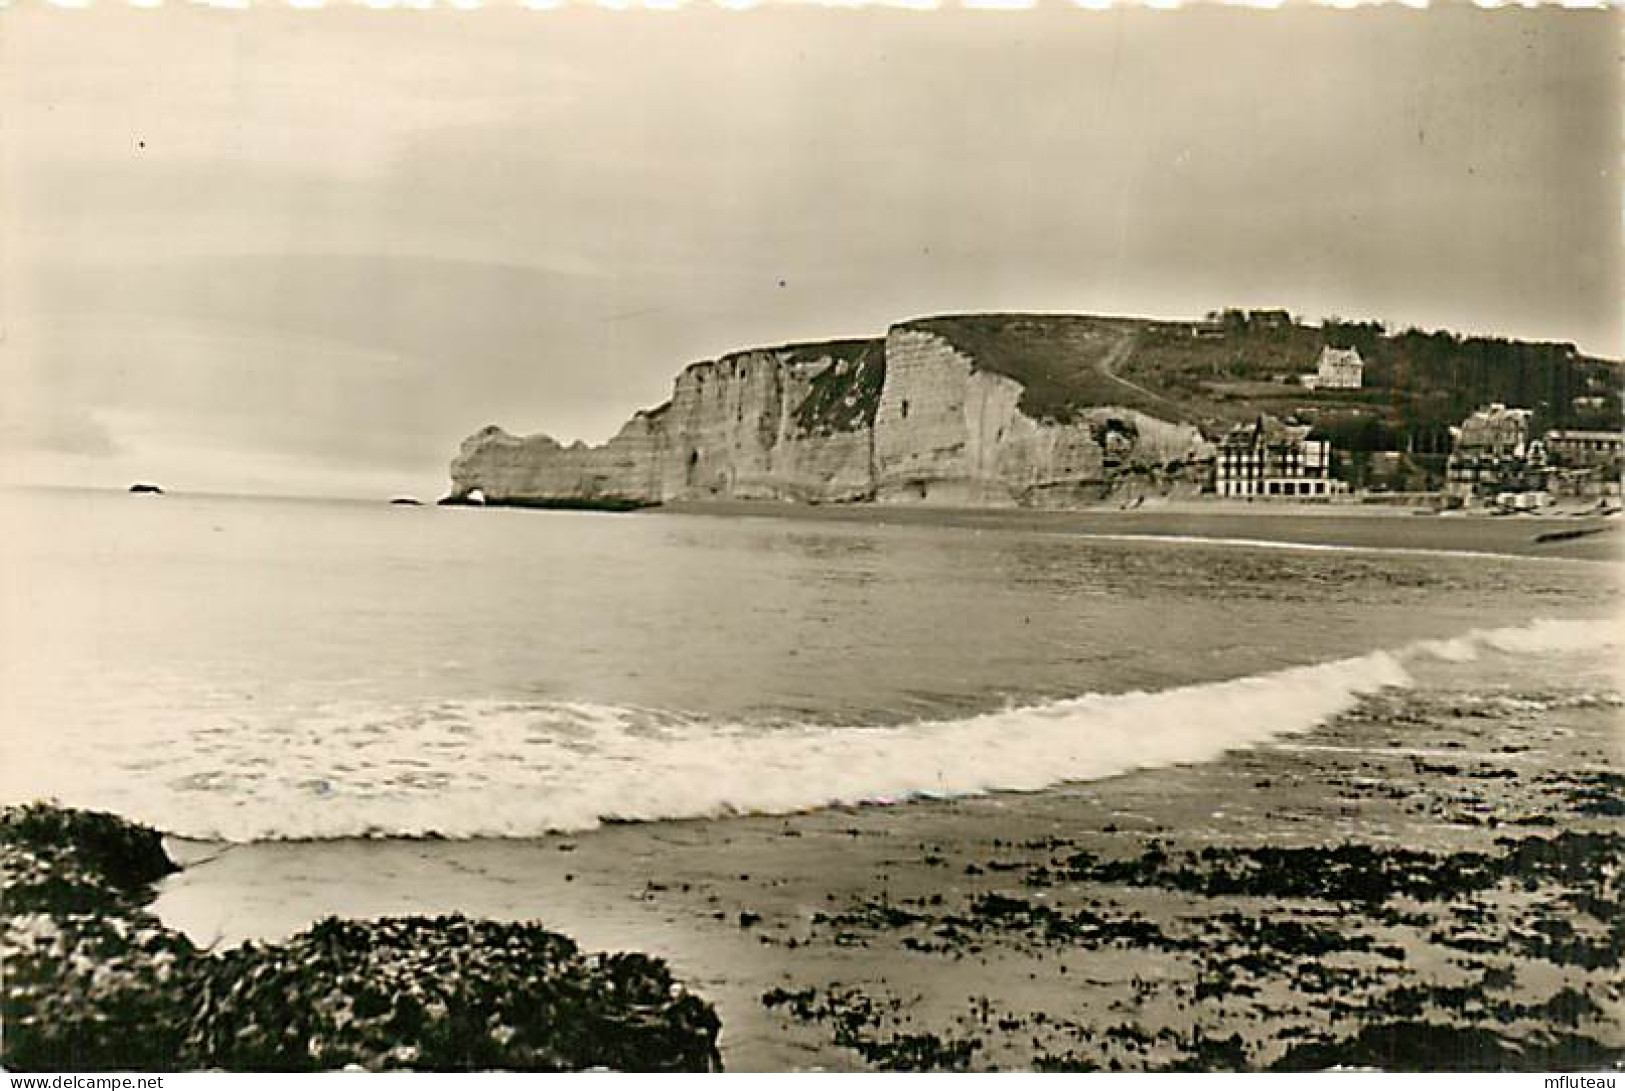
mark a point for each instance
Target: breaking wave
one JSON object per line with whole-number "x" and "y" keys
{"x": 505, "y": 769}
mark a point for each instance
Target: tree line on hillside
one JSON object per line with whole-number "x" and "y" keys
{"x": 1417, "y": 383}
{"x": 1564, "y": 387}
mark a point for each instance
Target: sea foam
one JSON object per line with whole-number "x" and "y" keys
{"x": 520, "y": 769}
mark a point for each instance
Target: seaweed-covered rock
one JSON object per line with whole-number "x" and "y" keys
{"x": 445, "y": 994}
{"x": 94, "y": 982}
{"x": 1358, "y": 872}
{"x": 94, "y": 992}
{"x": 60, "y": 859}
{"x": 1408, "y": 1046}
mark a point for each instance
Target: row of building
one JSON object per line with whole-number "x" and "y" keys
{"x": 1495, "y": 458}
{"x": 1498, "y": 457}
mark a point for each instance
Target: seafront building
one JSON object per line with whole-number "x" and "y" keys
{"x": 1492, "y": 454}
{"x": 1585, "y": 462}
{"x": 1584, "y": 447}
{"x": 1498, "y": 457}
{"x": 1337, "y": 369}
{"x": 1268, "y": 458}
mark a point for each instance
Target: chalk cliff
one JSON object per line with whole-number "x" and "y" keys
{"x": 931, "y": 413}
{"x": 951, "y": 430}
{"x": 790, "y": 423}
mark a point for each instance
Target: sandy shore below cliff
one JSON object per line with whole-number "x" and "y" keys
{"x": 1360, "y": 526}
{"x": 1385, "y": 871}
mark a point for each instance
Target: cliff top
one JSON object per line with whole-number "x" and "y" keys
{"x": 802, "y": 352}
{"x": 1065, "y": 363}
{"x": 1233, "y": 365}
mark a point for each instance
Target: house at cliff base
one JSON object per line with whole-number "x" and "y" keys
{"x": 1270, "y": 459}
{"x": 1585, "y": 462}
{"x": 1494, "y": 453}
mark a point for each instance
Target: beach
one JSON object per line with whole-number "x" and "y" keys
{"x": 1385, "y": 527}
{"x": 983, "y": 933}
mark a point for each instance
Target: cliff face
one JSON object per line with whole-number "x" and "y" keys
{"x": 915, "y": 417}
{"x": 507, "y": 467}
{"x": 950, "y": 431}
{"x": 741, "y": 428}
{"x": 790, "y": 423}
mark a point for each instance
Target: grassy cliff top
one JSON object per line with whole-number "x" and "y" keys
{"x": 1231, "y": 367}
{"x": 1065, "y": 363}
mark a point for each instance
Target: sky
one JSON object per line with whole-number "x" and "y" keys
{"x": 306, "y": 252}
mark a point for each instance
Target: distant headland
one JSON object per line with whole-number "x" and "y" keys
{"x": 1063, "y": 411}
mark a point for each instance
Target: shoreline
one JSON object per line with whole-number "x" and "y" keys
{"x": 1119, "y": 923}
{"x": 1366, "y": 527}
{"x": 1580, "y": 535}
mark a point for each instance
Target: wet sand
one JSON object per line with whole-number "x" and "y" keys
{"x": 1446, "y": 859}
{"x": 1358, "y": 526}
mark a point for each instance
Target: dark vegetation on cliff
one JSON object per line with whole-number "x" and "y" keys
{"x": 94, "y": 982}
{"x": 846, "y": 394}
{"x": 850, "y": 349}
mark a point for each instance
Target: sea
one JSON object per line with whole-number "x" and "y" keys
{"x": 248, "y": 669}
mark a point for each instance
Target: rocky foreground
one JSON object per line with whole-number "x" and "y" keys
{"x": 93, "y": 981}
{"x": 1490, "y": 939}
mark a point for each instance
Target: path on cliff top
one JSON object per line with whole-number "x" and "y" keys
{"x": 1122, "y": 351}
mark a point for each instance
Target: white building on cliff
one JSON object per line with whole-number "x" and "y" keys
{"x": 1337, "y": 369}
